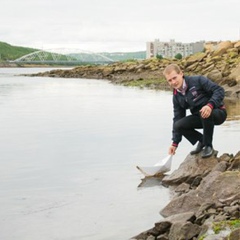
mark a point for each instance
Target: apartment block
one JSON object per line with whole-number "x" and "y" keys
{"x": 171, "y": 49}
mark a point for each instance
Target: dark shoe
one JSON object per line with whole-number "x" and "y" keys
{"x": 198, "y": 149}
{"x": 207, "y": 152}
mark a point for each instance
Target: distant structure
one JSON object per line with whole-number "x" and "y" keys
{"x": 172, "y": 48}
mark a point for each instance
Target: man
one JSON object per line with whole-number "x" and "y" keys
{"x": 204, "y": 99}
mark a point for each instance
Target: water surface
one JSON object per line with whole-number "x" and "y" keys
{"x": 68, "y": 153}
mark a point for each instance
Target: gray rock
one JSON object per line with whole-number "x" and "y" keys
{"x": 163, "y": 226}
{"x": 235, "y": 235}
{"x": 215, "y": 198}
{"x": 215, "y": 186}
{"x": 151, "y": 238}
{"x": 215, "y": 75}
{"x": 192, "y": 167}
{"x": 221, "y": 166}
{"x": 182, "y": 188}
{"x": 231, "y": 210}
{"x": 182, "y": 217}
{"x": 184, "y": 231}
{"x": 182, "y": 204}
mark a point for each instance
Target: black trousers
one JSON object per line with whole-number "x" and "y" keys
{"x": 187, "y": 126}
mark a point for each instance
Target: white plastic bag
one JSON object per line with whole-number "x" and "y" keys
{"x": 160, "y": 167}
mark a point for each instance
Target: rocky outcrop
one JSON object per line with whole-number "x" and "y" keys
{"x": 221, "y": 64}
{"x": 206, "y": 192}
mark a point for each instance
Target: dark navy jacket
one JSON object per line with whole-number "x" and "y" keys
{"x": 200, "y": 91}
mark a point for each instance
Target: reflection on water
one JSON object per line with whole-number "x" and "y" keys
{"x": 233, "y": 109}
{"x": 149, "y": 182}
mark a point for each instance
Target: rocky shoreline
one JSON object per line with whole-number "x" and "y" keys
{"x": 221, "y": 64}
{"x": 206, "y": 201}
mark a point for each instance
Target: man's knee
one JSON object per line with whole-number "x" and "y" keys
{"x": 178, "y": 125}
{"x": 219, "y": 117}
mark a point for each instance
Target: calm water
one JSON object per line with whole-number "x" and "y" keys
{"x": 68, "y": 154}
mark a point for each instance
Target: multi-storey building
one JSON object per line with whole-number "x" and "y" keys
{"x": 172, "y": 48}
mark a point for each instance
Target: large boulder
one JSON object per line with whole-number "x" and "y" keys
{"x": 232, "y": 92}
{"x": 184, "y": 231}
{"x": 235, "y": 74}
{"x": 213, "y": 189}
{"x": 193, "y": 166}
{"x": 222, "y": 48}
{"x": 235, "y": 234}
{"x": 198, "y": 57}
{"x": 237, "y": 45}
{"x": 215, "y": 75}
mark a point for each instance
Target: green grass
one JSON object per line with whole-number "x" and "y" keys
{"x": 219, "y": 226}
{"x": 202, "y": 237}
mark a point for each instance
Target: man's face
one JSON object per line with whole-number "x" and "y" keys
{"x": 174, "y": 79}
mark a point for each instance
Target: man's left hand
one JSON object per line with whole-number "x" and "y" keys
{"x": 205, "y": 111}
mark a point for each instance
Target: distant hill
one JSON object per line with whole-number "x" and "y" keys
{"x": 122, "y": 56}
{"x": 115, "y": 56}
{"x": 9, "y": 52}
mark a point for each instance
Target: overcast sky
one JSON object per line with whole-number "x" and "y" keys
{"x": 116, "y": 25}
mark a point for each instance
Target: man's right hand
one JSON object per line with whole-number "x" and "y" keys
{"x": 172, "y": 150}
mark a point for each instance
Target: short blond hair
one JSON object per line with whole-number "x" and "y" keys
{"x": 170, "y": 68}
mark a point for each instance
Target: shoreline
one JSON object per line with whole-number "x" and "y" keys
{"x": 205, "y": 203}
{"x": 221, "y": 65}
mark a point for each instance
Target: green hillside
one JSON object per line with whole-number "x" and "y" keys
{"x": 9, "y": 52}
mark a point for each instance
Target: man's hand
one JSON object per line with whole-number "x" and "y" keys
{"x": 205, "y": 111}
{"x": 172, "y": 150}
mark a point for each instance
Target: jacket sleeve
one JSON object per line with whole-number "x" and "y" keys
{"x": 178, "y": 113}
{"x": 215, "y": 92}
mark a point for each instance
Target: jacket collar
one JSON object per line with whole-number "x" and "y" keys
{"x": 183, "y": 89}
